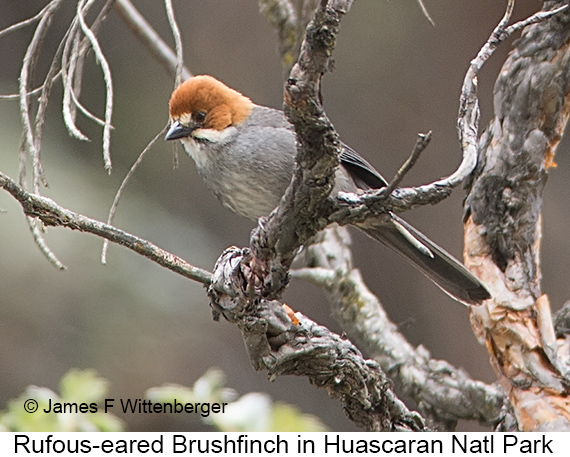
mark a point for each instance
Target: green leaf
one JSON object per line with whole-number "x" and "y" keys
{"x": 83, "y": 386}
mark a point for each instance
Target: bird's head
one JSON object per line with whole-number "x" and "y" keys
{"x": 203, "y": 108}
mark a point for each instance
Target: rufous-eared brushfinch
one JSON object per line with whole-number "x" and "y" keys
{"x": 245, "y": 154}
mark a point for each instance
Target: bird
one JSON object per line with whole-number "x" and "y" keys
{"x": 245, "y": 154}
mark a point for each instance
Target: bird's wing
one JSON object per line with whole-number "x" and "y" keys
{"x": 365, "y": 174}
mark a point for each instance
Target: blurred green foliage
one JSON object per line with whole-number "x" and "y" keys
{"x": 252, "y": 412}
{"x": 76, "y": 386}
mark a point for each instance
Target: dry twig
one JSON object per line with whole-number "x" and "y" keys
{"x": 150, "y": 39}
{"x": 122, "y": 188}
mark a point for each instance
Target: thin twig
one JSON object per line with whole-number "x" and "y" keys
{"x": 534, "y": 19}
{"x": 26, "y": 22}
{"x": 75, "y": 49}
{"x": 83, "y": 52}
{"x": 51, "y": 76}
{"x": 25, "y": 72}
{"x": 148, "y": 36}
{"x": 402, "y": 199}
{"x": 122, "y": 187}
{"x": 29, "y": 141}
{"x": 421, "y": 143}
{"x": 35, "y": 91}
{"x": 425, "y": 12}
{"x": 177, "y": 40}
{"x": 68, "y": 67}
{"x": 88, "y": 114}
{"x": 34, "y": 226}
{"x": 102, "y": 61}
{"x": 22, "y": 162}
{"x": 468, "y": 118}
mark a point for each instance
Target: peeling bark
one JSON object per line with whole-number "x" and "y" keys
{"x": 503, "y": 223}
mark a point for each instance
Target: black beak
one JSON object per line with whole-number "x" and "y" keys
{"x": 177, "y": 131}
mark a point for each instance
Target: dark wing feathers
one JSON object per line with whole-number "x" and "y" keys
{"x": 365, "y": 174}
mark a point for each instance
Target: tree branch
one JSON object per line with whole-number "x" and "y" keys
{"x": 246, "y": 281}
{"x": 302, "y": 212}
{"x": 305, "y": 348}
{"x": 50, "y": 213}
{"x": 356, "y": 208}
{"x": 273, "y": 341}
{"x": 282, "y": 15}
{"x": 442, "y": 392}
{"x": 503, "y": 221}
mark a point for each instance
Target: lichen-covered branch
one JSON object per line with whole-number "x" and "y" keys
{"x": 444, "y": 394}
{"x": 302, "y": 212}
{"x": 280, "y": 343}
{"x": 352, "y": 208}
{"x": 246, "y": 281}
{"x": 503, "y": 223}
{"x": 50, "y": 213}
{"x": 285, "y": 344}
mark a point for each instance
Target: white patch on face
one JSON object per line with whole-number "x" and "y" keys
{"x": 213, "y": 135}
{"x": 195, "y": 150}
{"x": 198, "y": 150}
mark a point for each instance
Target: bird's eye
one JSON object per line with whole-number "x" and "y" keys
{"x": 199, "y": 116}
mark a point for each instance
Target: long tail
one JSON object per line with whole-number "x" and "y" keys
{"x": 444, "y": 270}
